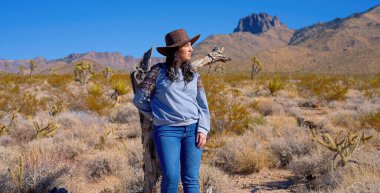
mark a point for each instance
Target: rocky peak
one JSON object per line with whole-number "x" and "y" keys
{"x": 257, "y": 23}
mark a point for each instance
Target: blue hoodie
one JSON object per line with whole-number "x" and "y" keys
{"x": 173, "y": 104}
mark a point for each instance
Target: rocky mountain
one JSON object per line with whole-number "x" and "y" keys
{"x": 66, "y": 64}
{"x": 254, "y": 33}
{"x": 343, "y": 45}
{"x": 257, "y": 23}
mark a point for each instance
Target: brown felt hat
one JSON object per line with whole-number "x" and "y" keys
{"x": 175, "y": 39}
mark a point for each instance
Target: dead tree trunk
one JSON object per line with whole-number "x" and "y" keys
{"x": 151, "y": 165}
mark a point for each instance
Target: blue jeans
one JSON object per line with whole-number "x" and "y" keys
{"x": 176, "y": 148}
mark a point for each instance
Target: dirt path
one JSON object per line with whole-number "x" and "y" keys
{"x": 273, "y": 180}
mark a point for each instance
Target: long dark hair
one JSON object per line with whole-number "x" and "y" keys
{"x": 172, "y": 60}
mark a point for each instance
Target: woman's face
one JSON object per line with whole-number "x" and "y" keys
{"x": 185, "y": 52}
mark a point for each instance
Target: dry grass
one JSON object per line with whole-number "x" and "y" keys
{"x": 251, "y": 130}
{"x": 241, "y": 154}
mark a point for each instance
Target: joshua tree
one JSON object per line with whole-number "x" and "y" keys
{"x": 82, "y": 72}
{"x": 107, "y": 73}
{"x": 21, "y": 70}
{"x": 32, "y": 67}
{"x": 257, "y": 67}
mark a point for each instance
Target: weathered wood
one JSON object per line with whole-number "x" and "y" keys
{"x": 151, "y": 165}
{"x": 214, "y": 56}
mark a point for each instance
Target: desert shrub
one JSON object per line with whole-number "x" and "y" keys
{"x": 243, "y": 155}
{"x": 353, "y": 178}
{"x": 266, "y": 107}
{"x": 123, "y": 115}
{"x": 102, "y": 164}
{"x": 294, "y": 142}
{"x": 22, "y": 131}
{"x": 70, "y": 149}
{"x": 59, "y": 80}
{"x": 118, "y": 76}
{"x": 312, "y": 168}
{"x": 324, "y": 87}
{"x": 96, "y": 90}
{"x": 99, "y": 105}
{"x": 213, "y": 180}
{"x": 227, "y": 113}
{"x": 371, "y": 120}
{"x": 34, "y": 172}
{"x": 235, "y": 79}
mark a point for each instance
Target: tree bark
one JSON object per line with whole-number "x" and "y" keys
{"x": 151, "y": 165}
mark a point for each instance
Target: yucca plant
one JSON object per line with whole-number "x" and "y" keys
{"x": 96, "y": 90}
{"x": 120, "y": 88}
{"x": 275, "y": 85}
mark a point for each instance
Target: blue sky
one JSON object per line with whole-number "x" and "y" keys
{"x": 56, "y": 28}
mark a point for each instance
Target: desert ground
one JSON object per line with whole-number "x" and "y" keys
{"x": 277, "y": 132}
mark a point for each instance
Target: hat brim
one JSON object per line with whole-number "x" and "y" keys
{"x": 164, "y": 50}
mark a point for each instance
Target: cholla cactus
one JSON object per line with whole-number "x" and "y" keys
{"x": 103, "y": 137}
{"x": 82, "y": 72}
{"x": 343, "y": 147}
{"x": 120, "y": 88}
{"x": 47, "y": 131}
{"x": 56, "y": 107}
{"x": 4, "y": 129}
{"x": 18, "y": 174}
{"x": 107, "y": 73}
{"x": 32, "y": 67}
{"x": 257, "y": 67}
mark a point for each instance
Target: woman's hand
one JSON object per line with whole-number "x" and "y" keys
{"x": 201, "y": 140}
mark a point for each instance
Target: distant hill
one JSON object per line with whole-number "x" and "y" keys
{"x": 66, "y": 64}
{"x": 343, "y": 45}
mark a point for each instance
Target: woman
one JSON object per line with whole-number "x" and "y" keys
{"x": 172, "y": 95}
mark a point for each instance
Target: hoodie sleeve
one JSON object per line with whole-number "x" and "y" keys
{"x": 204, "y": 118}
{"x": 145, "y": 90}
